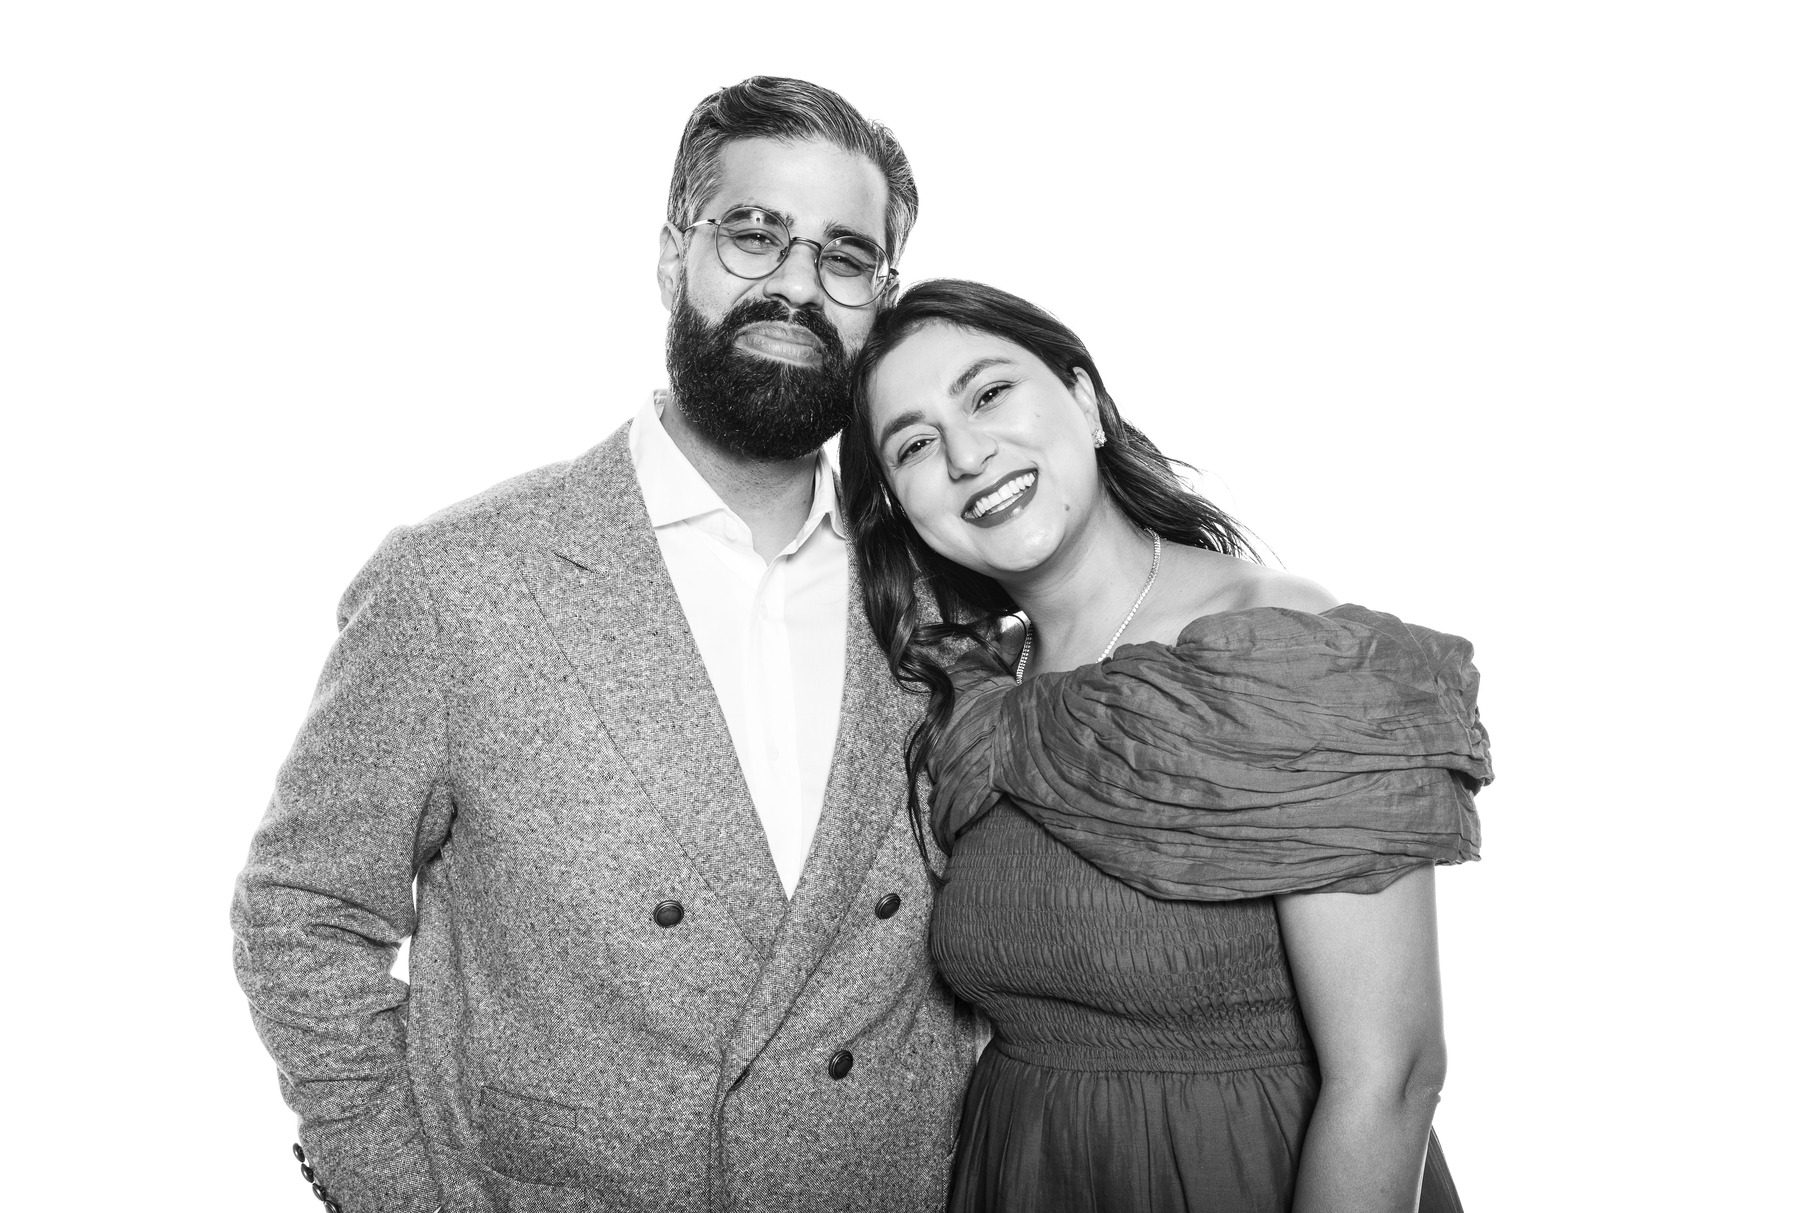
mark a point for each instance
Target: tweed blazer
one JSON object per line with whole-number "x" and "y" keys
{"x": 514, "y": 758}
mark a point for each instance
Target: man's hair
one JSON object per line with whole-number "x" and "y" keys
{"x": 775, "y": 107}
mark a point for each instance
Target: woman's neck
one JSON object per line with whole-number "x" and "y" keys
{"x": 1077, "y": 599}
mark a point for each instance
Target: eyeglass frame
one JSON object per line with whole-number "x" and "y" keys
{"x": 887, "y": 280}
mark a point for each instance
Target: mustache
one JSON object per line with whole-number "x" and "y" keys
{"x": 775, "y": 311}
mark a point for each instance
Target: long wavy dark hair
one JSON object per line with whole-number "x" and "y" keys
{"x": 926, "y": 610}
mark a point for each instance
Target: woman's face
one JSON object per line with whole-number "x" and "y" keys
{"x": 989, "y": 454}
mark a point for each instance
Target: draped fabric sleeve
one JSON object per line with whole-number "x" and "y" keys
{"x": 1267, "y": 751}
{"x": 960, "y": 763}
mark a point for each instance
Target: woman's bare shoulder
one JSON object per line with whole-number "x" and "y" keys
{"x": 1227, "y": 583}
{"x": 1276, "y": 588}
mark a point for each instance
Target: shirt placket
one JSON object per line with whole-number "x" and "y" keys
{"x": 771, "y": 709}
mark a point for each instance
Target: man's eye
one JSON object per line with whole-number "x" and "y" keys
{"x": 754, "y": 240}
{"x": 844, "y": 266}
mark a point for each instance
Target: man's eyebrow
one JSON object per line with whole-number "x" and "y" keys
{"x": 966, "y": 376}
{"x": 902, "y": 421}
{"x": 789, "y": 220}
{"x": 832, "y": 231}
{"x": 835, "y": 231}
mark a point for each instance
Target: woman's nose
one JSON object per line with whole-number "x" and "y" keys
{"x": 968, "y": 452}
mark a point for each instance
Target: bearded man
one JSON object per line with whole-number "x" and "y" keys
{"x": 611, "y": 745}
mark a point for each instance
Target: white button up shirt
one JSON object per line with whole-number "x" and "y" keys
{"x": 772, "y": 635}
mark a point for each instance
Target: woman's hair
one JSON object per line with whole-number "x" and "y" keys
{"x": 926, "y": 610}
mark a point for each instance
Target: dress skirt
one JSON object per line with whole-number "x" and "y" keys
{"x": 1149, "y": 1054}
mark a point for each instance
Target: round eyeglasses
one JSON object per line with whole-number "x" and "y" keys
{"x": 753, "y": 242}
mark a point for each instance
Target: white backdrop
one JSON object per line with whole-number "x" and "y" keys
{"x": 1498, "y": 317}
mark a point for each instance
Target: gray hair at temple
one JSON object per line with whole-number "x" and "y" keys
{"x": 776, "y": 107}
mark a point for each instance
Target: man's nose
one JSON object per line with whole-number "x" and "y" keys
{"x": 796, "y": 281}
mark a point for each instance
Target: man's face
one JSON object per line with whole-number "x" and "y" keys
{"x": 759, "y": 366}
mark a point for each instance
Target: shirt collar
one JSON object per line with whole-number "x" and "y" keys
{"x": 675, "y": 492}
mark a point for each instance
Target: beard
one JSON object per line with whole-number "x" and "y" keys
{"x": 752, "y": 406}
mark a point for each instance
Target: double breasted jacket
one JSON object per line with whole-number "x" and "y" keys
{"x": 516, "y": 760}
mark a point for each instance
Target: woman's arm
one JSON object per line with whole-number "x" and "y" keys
{"x": 1367, "y": 969}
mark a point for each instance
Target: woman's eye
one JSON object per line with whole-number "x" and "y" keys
{"x": 991, "y": 393}
{"x": 912, "y": 448}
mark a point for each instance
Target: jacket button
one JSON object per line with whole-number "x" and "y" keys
{"x": 840, "y": 1065}
{"x": 309, "y": 1176}
{"x": 667, "y": 914}
{"x": 297, "y": 1153}
{"x": 320, "y": 1191}
{"x": 887, "y": 905}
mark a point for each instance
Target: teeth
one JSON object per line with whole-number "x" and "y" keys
{"x": 1005, "y": 494}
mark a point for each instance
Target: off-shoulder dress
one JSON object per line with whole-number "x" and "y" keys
{"x": 1116, "y": 833}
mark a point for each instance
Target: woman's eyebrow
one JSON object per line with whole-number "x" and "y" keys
{"x": 966, "y": 376}
{"x": 901, "y": 421}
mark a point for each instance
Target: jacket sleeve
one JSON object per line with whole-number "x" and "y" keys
{"x": 326, "y": 896}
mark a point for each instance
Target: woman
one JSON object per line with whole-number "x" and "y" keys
{"x": 1192, "y": 809}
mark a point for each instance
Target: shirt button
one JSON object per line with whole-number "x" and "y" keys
{"x": 887, "y": 905}
{"x": 667, "y": 914}
{"x": 840, "y": 1065}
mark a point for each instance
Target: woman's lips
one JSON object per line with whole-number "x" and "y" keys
{"x": 998, "y": 503}
{"x": 783, "y": 342}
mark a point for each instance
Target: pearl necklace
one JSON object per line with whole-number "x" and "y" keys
{"x": 1029, "y": 631}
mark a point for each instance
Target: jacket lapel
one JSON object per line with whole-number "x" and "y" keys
{"x": 600, "y": 580}
{"x": 864, "y": 796}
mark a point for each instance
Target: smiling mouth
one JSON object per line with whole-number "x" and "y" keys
{"x": 782, "y": 342}
{"x": 1001, "y": 498}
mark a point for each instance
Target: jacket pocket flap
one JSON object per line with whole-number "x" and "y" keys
{"x": 525, "y": 1107}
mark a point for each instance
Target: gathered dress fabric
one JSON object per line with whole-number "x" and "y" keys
{"x": 1116, "y": 834}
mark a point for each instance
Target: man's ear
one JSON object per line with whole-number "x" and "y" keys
{"x": 670, "y": 245}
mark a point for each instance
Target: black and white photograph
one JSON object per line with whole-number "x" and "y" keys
{"x": 956, "y": 608}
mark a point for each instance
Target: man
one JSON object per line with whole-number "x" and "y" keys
{"x": 622, "y": 724}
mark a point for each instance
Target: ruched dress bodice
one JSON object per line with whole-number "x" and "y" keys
{"x": 1116, "y": 834}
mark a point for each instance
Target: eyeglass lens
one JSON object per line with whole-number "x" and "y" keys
{"x": 752, "y": 243}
